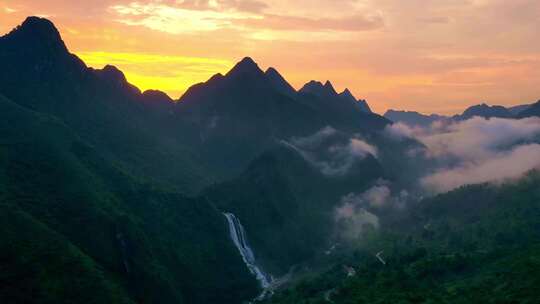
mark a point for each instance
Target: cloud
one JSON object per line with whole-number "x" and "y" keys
{"x": 175, "y": 19}
{"x": 356, "y": 212}
{"x": 377, "y": 197}
{"x": 296, "y": 23}
{"x": 198, "y": 16}
{"x": 329, "y": 152}
{"x": 400, "y": 131}
{"x": 479, "y": 138}
{"x": 352, "y": 221}
{"x": 477, "y": 150}
{"x": 253, "y": 6}
{"x": 502, "y": 166}
{"x": 361, "y": 148}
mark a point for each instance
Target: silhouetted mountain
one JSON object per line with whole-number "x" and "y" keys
{"x": 515, "y": 110}
{"x": 413, "y": 118}
{"x": 279, "y": 83}
{"x": 247, "y": 107}
{"x": 316, "y": 88}
{"x": 39, "y": 73}
{"x": 155, "y": 96}
{"x": 347, "y": 95}
{"x": 342, "y": 107}
{"x": 485, "y": 111}
{"x": 532, "y": 110}
{"x": 362, "y": 104}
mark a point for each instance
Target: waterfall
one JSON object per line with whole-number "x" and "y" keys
{"x": 238, "y": 236}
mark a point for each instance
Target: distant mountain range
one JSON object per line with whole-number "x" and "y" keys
{"x": 482, "y": 110}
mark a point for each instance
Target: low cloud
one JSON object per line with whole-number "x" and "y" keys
{"x": 357, "y": 212}
{"x": 499, "y": 167}
{"x": 352, "y": 221}
{"x": 329, "y": 152}
{"x": 477, "y": 150}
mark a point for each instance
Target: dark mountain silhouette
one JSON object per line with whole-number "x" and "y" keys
{"x": 347, "y": 95}
{"x": 342, "y": 107}
{"x": 39, "y": 73}
{"x": 515, "y": 110}
{"x": 316, "y": 88}
{"x": 362, "y": 104}
{"x": 532, "y": 110}
{"x": 485, "y": 111}
{"x": 413, "y": 118}
{"x": 250, "y": 108}
{"x": 279, "y": 83}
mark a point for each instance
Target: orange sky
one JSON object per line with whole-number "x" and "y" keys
{"x": 425, "y": 55}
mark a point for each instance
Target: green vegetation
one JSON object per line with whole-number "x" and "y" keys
{"x": 75, "y": 228}
{"x": 477, "y": 244}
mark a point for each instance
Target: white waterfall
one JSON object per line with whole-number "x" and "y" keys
{"x": 238, "y": 236}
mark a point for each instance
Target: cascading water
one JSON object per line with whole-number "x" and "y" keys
{"x": 238, "y": 236}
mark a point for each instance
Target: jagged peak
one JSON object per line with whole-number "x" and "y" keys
{"x": 39, "y": 31}
{"x": 312, "y": 84}
{"x": 245, "y": 66}
{"x": 328, "y": 85}
{"x": 272, "y": 70}
{"x": 279, "y": 82}
{"x": 346, "y": 94}
{"x": 317, "y": 88}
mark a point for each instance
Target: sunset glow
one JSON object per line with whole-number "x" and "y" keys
{"x": 429, "y": 56}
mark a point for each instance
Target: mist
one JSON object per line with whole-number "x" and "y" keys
{"x": 474, "y": 151}
{"x": 332, "y": 153}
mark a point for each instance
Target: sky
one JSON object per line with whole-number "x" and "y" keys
{"x": 432, "y": 56}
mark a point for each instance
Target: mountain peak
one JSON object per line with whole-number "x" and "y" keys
{"x": 245, "y": 66}
{"x": 320, "y": 90}
{"x": 328, "y": 86}
{"x": 279, "y": 83}
{"x": 36, "y": 36}
{"x": 484, "y": 110}
{"x": 113, "y": 73}
{"x": 347, "y": 95}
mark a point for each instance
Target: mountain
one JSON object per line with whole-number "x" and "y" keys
{"x": 364, "y": 106}
{"x": 279, "y": 83}
{"x": 413, "y": 118}
{"x": 344, "y": 109}
{"x": 531, "y": 111}
{"x": 77, "y": 228}
{"x": 485, "y": 111}
{"x": 251, "y": 108}
{"x": 107, "y": 177}
{"x": 515, "y": 110}
{"x": 475, "y": 244}
{"x": 100, "y": 105}
{"x": 284, "y": 202}
{"x": 346, "y": 95}
{"x": 241, "y": 108}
